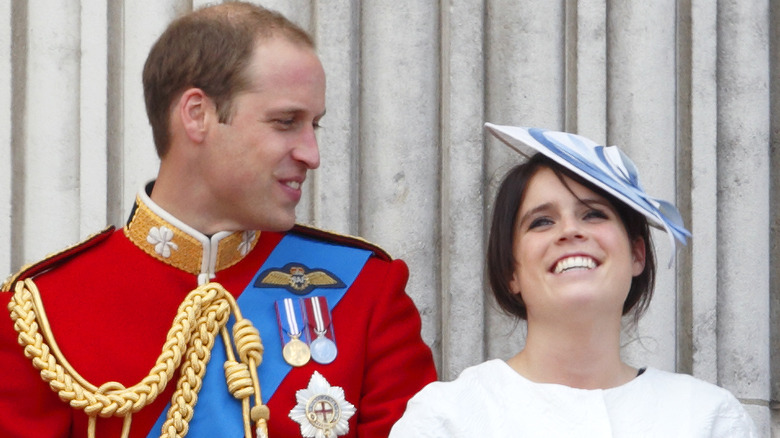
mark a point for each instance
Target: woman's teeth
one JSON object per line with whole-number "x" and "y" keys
{"x": 571, "y": 263}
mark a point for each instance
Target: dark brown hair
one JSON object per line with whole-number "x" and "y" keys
{"x": 208, "y": 49}
{"x": 500, "y": 259}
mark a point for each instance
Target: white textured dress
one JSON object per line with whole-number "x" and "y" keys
{"x": 492, "y": 400}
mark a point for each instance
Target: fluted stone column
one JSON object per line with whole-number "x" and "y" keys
{"x": 702, "y": 139}
{"x": 462, "y": 196}
{"x": 93, "y": 119}
{"x": 49, "y": 130}
{"x": 6, "y": 141}
{"x": 400, "y": 142}
{"x": 334, "y": 184}
{"x": 743, "y": 208}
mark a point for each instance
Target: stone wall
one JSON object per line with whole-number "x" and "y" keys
{"x": 688, "y": 88}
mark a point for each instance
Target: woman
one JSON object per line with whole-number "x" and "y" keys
{"x": 570, "y": 252}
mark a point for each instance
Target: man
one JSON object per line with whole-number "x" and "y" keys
{"x": 128, "y": 332}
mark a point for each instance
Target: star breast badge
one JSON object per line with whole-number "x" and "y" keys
{"x": 322, "y": 411}
{"x": 298, "y": 279}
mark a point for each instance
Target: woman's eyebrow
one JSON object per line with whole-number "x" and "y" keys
{"x": 595, "y": 201}
{"x": 535, "y": 210}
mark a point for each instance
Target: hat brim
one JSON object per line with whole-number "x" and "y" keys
{"x": 592, "y": 162}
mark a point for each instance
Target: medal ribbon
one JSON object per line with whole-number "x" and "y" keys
{"x": 291, "y": 319}
{"x": 217, "y": 413}
{"x": 314, "y": 311}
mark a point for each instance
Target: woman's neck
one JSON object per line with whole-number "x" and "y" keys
{"x": 585, "y": 356}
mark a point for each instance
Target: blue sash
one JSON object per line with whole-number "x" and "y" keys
{"x": 217, "y": 413}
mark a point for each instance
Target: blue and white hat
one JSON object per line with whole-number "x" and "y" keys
{"x": 605, "y": 166}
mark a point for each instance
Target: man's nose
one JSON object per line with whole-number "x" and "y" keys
{"x": 308, "y": 150}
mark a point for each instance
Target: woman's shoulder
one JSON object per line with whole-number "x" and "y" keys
{"x": 479, "y": 384}
{"x": 490, "y": 367}
{"x": 470, "y": 405}
{"x": 686, "y": 393}
{"x": 690, "y": 389}
{"x": 663, "y": 403}
{"x": 679, "y": 382}
{"x": 473, "y": 378}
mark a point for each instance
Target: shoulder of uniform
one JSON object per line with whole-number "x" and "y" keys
{"x": 56, "y": 258}
{"x": 341, "y": 239}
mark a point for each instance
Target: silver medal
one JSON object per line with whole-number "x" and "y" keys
{"x": 323, "y": 350}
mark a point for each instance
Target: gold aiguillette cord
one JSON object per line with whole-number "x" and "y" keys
{"x": 202, "y": 314}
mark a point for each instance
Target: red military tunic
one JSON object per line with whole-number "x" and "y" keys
{"x": 110, "y": 302}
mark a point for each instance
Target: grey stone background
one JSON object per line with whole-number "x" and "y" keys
{"x": 688, "y": 88}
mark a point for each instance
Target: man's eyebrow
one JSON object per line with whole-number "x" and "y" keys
{"x": 295, "y": 110}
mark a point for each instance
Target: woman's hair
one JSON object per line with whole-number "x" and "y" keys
{"x": 500, "y": 259}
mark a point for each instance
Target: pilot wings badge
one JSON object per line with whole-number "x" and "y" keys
{"x": 298, "y": 279}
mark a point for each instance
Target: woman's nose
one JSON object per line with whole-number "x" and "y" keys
{"x": 570, "y": 229}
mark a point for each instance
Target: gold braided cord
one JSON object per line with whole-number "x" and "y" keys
{"x": 201, "y": 316}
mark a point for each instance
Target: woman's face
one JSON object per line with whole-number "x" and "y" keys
{"x": 572, "y": 250}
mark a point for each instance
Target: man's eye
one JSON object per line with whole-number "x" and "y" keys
{"x": 285, "y": 123}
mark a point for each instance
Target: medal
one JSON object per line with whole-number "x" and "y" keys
{"x": 322, "y": 411}
{"x": 323, "y": 348}
{"x": 295, "y": 351}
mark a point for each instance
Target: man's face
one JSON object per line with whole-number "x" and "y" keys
{"x": 254, "y": 165}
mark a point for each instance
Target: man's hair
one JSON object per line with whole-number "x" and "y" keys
{"x": 208, "y": 49}
{"x": 500, "y": 256}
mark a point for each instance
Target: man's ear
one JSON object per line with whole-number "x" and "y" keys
{"x": 194, "y": 112}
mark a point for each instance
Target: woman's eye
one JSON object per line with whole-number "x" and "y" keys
{"x": 539, "y": 222}
{"x": 596, "y": 214}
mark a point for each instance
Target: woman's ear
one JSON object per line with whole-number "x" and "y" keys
{"x": 638, "y": 255}
{"x": 514, "y": 283}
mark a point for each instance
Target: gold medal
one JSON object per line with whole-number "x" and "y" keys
{"x": 296, "y": 352}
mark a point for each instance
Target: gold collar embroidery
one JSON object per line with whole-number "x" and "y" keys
{"x": 173, "y": 242}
